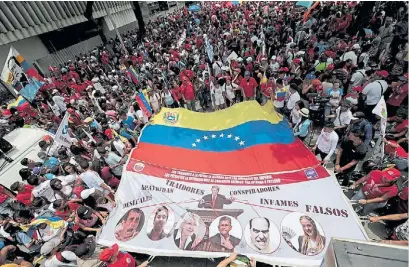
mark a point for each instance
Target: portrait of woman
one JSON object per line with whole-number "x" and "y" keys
{"x": 160, "y": 223}
{"x": 303, "y": 234}
{"x": 312, "y": 242}
{"x": 190, "y": 231}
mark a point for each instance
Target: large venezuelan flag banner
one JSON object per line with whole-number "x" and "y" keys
{"x": 206, "y": 184}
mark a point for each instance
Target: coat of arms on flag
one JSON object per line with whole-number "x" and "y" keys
{"x": 171, "y": 117}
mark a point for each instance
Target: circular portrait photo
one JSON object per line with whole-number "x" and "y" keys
{"x": 129, "y": 225}
{"x": 303, "y": 233}
{"x": 160, "y": 223}
{"x": 189, "y": 231}
{"x": 262, "y": 235}
{"x": 225, "y": 233}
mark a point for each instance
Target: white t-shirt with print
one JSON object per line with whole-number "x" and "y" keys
{"x": 342, "y": 119}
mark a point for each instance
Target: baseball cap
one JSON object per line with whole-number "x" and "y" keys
{"x": 55, "y": 91}
{"x": 358, "y": 115}
{"x": 391, "y": 174}
{"x": 273, "y": 57}
{"x": 107, "y": 253}
{"x": 356, "y": 46}
{"x": 382, "y": 73}
{"x": 404, "y": 77}
{"x": 247, "y": 73}
{"x": 36, "y": 170}
{"x": 239, "y": 59}
{"x": 87, "y": 192}
{"x": 84, "y": 212}
{"x": 316, "y": 82}
{"x": 297, "y": 60}
{"x": 357, "y": 88}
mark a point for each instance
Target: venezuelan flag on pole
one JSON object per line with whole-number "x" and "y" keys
{"x": 245, "y": 139}
{"x": 143, "y": 104}
{"x": 132, "y": 74}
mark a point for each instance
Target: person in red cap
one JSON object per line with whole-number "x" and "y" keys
{"x": 115, "y": 258}
{"x": 398, "y": 96}
{"x": 377, "y": 188}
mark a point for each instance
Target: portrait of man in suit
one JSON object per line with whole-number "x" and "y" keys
{"x": 223, "y": 240}
{"x": 214, "y": 200}
{"x": 260, "y": 239}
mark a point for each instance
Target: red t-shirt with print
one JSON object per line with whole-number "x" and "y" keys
{"x": 248, "y": 86}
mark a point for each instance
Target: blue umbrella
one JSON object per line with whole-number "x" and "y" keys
{"x": 306, "y": 4}
{"x": 194, "y": 8}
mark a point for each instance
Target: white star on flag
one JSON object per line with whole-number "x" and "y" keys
{"x": 205, "y": 137}
{"x": 222, "y": 135}
{"x": 241, "y": 143}
{"x": 229, "y": 136}
{"x": 193, "y": 145}
{"x": 237, "y": 138}
{"x": 213, "y": 136}
{"x": 198, "y": 140}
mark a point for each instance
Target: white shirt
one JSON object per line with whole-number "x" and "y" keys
{"x": 350, "y": 55}
{"x": 292, "y": 100}
{"x": 217, "y": 65}
{"x": 60, "y": 102}
{"x": 217, "y": 91}
{"x": 327, "y": 143}
{"x": 54, "y": 262}
{"x": 357, "y": 78}
{"x": 43, "y": 190}
{"x": 141, "y": 115}
{"x": 274, "y": 66}
{"x": 342, "y": 119}
{"x": 374, "y": 91}
{"x": 120, "y": 147}
{"x": 230, "y": 90}
{"x": 92, "y": 180}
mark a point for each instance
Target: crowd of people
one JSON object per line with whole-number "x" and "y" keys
{"x": 320, "y": 75}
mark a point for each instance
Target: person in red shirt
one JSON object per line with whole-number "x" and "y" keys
{"x": 377, "y": 188}
{"x": 248, "y": 85}
{"x": 177, "y": 94}
{"x": 74, "y": 117}
{"x": 398, "y": 155}
{"x": 401, "y": 126}
{"x": 24, "y": 192}
{"x": 115, "y": 258}
{"x": 186, "y": 73}
{"x": 267, "y": 89}
{"x": 188, "y": 94}
{"x": 399, "y": 95}
{"x": 5, "y": 198}
{"x": 66, "y": 209}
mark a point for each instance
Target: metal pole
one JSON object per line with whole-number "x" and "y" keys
{"x": 116, "y": 30}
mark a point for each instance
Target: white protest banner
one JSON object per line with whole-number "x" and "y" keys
{"x": 99, "y": 87}
{"x": 265, "y": 196}
{"x": 62, "y": 137}
{"x": 380, "y": 110}
{"x": 232, "y": 56}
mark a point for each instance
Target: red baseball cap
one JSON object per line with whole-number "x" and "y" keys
{"x": 107, "y": 253}
{"x": 383, "y": 73}
{"x": 391, "y": 174}
{"x": 316, "y": 82}
{"x": 331, "y": 67}
{"x": 357, "y": 88}
{"x": 297, "y": 60}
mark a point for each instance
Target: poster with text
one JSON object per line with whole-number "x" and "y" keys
{"x": 207, "y": 184}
